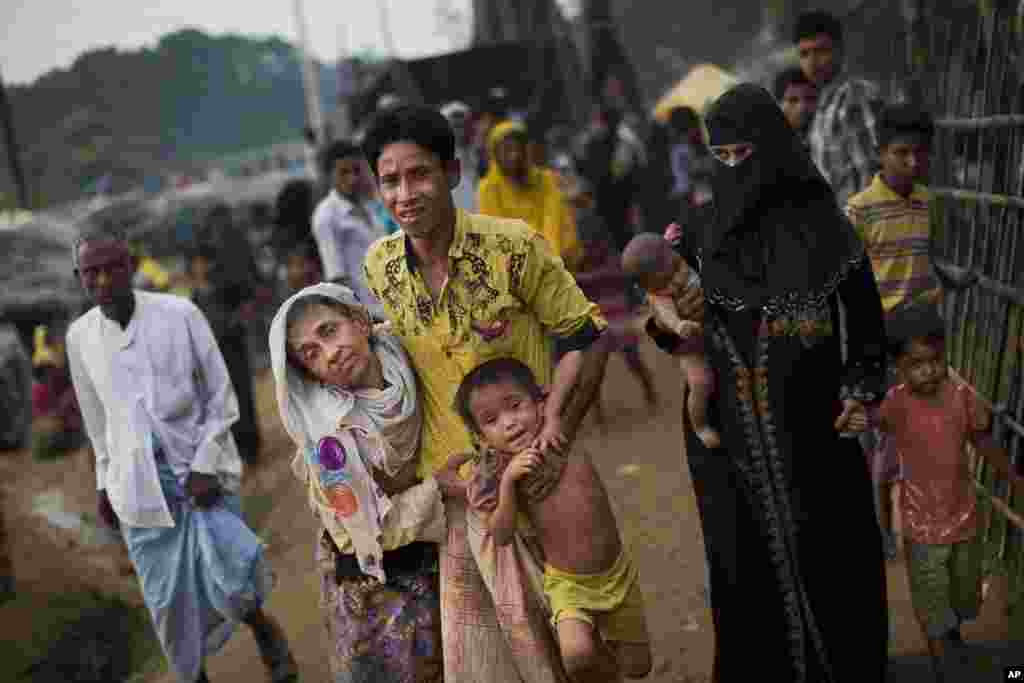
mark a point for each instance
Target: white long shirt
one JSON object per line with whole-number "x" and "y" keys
{"x": 162, "y": 376}
{"x": 343, "y": 237}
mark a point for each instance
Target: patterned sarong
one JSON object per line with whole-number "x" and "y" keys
{"x": 493, "y": 614}
{"x": 200, "y": 577}
{"x": 380, "y": 631}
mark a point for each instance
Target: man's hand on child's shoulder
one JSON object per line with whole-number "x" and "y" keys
{"x": 552, "y": 435}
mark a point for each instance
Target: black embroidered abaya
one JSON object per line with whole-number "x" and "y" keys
{"x": 798, "y": 586}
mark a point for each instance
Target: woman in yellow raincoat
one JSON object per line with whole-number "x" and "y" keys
{"x": 513, "y": 188}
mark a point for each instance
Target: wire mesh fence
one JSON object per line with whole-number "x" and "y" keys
{"x": 965, "y": 63}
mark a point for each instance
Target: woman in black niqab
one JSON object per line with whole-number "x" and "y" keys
{"x": 793, "y": 547}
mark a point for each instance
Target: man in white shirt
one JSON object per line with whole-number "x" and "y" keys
{"x": 343, "y": 225}
{"x": 158, "y": 407}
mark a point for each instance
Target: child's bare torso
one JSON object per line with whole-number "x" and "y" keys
{"x": 575, "y": 523}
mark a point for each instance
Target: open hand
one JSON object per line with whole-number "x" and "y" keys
{"x": 204, "y": 489}
{"x": 854, "y": 418}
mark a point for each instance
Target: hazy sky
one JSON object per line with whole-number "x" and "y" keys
{"x": 39, "y": 35}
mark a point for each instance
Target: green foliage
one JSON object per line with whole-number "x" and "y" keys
{"x": 150, "y": 111}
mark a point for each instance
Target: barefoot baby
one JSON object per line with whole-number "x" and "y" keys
{"x": 589, "y": 578}
{"x": 666, "y": 277}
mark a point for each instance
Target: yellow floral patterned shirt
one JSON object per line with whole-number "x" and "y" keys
{"x": 506, "y": 295}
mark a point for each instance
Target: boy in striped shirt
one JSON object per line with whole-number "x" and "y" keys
{"x": 892, "y": 218}
{"x": 892, "y": 214}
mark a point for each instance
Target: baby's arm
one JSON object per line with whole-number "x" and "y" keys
{"x": 665, "y": 311}
{"x": 502, "y": 522}
{"x": 668, "y": 315}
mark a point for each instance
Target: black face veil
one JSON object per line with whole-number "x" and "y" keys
{"x": 778, "y": 233}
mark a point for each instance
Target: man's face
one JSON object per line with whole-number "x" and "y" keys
{"x": 798, "y": 104}
{"x": 416, "y": 188}
{"x": 105, "y": 269}
{"x": 347, "y": 174}
{"x": 818, "y": 59}
{"x": 904, "y": 161}
{"x": 510, "y": 155}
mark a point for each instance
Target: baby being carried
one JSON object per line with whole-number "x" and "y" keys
{"x": 666, "y": 277}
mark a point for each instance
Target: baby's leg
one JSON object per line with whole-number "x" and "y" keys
{"x": 586, "y": 657}
{"x": 701, "y": 381}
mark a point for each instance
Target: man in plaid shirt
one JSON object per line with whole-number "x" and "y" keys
{"x": 842, "y": 138}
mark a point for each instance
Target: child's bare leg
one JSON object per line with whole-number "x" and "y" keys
{"x": 698, "y": 376}
{"x": 636, "y": 365}
{"x": 586, "y": 657}
{"x": 634, "y": 659}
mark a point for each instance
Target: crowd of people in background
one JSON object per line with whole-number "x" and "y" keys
{"x": 794, "y": 283}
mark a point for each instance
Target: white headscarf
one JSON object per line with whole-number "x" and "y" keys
{"x": 324, "y": 422}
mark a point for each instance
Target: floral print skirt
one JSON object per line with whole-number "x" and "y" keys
{"x": 381, "y": 632}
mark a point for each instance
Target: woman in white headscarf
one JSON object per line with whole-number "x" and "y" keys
{"x": 348, "y": 398}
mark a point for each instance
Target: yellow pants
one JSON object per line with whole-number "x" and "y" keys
{"x": 611, "y": 601}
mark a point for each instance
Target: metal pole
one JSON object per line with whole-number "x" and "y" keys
{"x": 13, "y": 155}
{"x": 385, "y": 27}
{"x": 310, "y": 77}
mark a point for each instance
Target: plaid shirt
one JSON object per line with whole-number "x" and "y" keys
{"x": 842, "y": 137}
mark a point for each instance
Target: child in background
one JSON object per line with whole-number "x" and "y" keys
{"x": 603, "y": 281}
{"x": 929, "y": 419}
{"x": 892, "y": 218}
{"x": 302, "y": 266}
{"x": 665, "y": 276}
{"x": 589, "y": 578}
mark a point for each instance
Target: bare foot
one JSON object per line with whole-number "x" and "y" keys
{"x": 709, "y": 437}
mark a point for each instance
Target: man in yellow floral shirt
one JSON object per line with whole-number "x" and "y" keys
{"x": 460, "y": 289}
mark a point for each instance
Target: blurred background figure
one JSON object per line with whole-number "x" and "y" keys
{"x": 513, "y": 188}
{"x": 57, "y": 422}
{"x": 798, "y": 97}
{"x": 302, "y": 267}
{"x": 603, "y": 281}
{"x": 293, "y": 218}
{"x": 225, "y": 285}
{"x": 343, "y": 225}
{"x": 493, "y": 110}
{"x": 612, "y": 160}
{"x": 461, "y": 120}
{"x": 685, "y": 152}
{"x": 15, "y": 389}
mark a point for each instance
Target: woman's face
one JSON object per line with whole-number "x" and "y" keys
{"x": 511, "y": 156}
{"x": 332, "y": 347}
{"x": 733, "y": 154}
